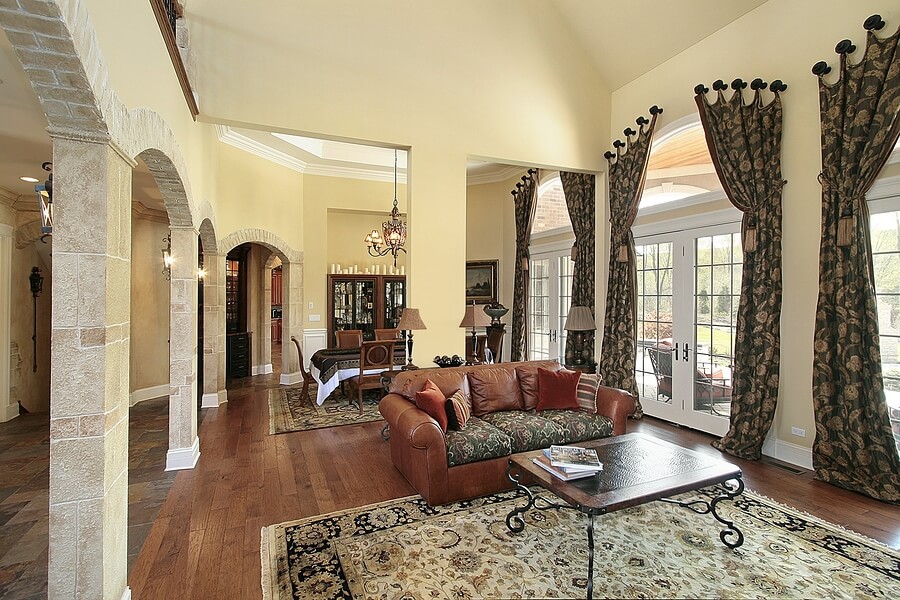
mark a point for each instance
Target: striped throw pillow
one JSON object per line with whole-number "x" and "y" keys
{"x": 458, "y": 411}
{"x": 586, "y": 392}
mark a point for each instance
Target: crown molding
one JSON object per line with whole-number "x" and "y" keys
{"x": 150, "y": 214}
{"x": 228, "y": 136}
{"x": 494, "y": 176}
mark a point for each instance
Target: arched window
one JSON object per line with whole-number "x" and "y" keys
{"x": 551, "y": 212}
{"x": 680, "y": 167}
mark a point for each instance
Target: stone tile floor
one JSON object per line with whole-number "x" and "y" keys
{"x": 24, "y": 499}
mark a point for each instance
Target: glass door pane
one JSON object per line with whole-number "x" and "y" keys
{"x": 653, "y": 364}
{"x": 539, "y": 309}
{"x": 564, "y": 294}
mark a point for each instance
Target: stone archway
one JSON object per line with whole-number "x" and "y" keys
{"x": 292, "y": 281}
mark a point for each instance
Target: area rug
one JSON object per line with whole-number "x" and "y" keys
{"x": 289, "y": 411}
{"x": 407, "y": 549}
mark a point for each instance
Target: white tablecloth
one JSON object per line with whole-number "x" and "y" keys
{"x": 329, "y": 386}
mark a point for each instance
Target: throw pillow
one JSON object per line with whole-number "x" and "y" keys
{"x": 557, "y": 389}
{"x": 528, "y": 383}
{"x": 586, "y": 392}
{"x": 458, "y": 412}
{"x": 431, "y": 400}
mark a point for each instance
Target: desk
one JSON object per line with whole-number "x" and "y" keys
{"x": 329, "y": 367}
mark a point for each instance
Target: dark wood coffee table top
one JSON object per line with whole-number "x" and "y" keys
{"x": 636, "y": 469}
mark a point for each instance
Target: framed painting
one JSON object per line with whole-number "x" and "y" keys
{"x": 481, "y": 281}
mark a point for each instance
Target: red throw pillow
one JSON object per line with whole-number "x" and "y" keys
{"x": 557, "y": 389}
{"x": 432, "y": 400}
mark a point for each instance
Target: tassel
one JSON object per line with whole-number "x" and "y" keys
{"x": 846, "y": 225}
{"x": 750, "y": 239}
{"x": 623, "y": 254}
{"x": 524, "y": 264}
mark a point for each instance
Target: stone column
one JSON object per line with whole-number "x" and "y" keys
{"x": 265, "y": 322}
{"x": 89, "y": 379}
{"x": 184, "y": 445}
{"x": 9, "y": 408}
{"x": 291, "y": 320}
{"x": 214, "y": 392}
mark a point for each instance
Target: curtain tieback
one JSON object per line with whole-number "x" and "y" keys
{"x": 847, "y": 221}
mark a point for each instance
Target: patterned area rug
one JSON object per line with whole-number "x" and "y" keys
{"x": 289, "y": 411}
{"x": 406, "y": 549}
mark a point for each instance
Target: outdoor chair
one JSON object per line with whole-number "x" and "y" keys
{"x": 708, "y": 390}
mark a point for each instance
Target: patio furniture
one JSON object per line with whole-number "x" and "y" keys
{"x": 709, "y": 389}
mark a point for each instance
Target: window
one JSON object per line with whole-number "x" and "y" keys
{"x": 551, "y": 211}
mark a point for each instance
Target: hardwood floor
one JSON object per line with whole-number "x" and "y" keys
{"x": 201, "y": 539}
{"x": 205, "y": 542}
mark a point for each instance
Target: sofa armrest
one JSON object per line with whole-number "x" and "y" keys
{"x": 409, "y": 423}
{"x": 616, "y": 404}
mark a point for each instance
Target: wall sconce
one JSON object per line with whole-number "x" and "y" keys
{"x": 36, "y": 281}
{"x": 44, "y": 193}
{"x": 167, "y": 257}
{"x": 201, "y": 273}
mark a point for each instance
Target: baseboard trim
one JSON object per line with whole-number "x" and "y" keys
{"x": 148, "y": 393}
{"x": 126, "y": 595}
{"x": 183, "y": 458}
{"x": 788, "y": 452}
{"x": 11, "y": 412}
{"x": 214, "y": 400}
{"x": 261, "y": 370}
{"x": 291, "y": 378}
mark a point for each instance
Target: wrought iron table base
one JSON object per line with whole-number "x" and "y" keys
{"x": 516, "y": 524}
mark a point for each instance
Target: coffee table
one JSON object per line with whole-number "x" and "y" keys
{"x": 636, "y": 469}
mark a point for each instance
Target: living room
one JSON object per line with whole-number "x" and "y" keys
{"x": 503, "y": 82}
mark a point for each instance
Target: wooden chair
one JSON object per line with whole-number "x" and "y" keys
{"x": 386, "y": 334}
{"x": 378, "y": 354}
{"x": 308, "y": 379}
{"x": 348, "y": 338}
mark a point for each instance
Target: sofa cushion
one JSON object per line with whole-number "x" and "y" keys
{"x": 494, "y": 389}
{"x": 432, "y": 401}
{"x": 557, "y": 389}
{"x": 458, "y": 411}
{"x": 579, "y": 425}
{"x": 407, "y": 383}
{"x": 527, "y": 430}
{"x": 528, "y": 382}
{"x": 478, "y": 441}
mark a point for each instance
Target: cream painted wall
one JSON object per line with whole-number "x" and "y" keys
{"x": 149, "y": 305}
{"x": 768, "y": 43}
{"x": 360, "y": 73}
{"x": 328, "y": 212}
{"x": 256, "y": 193}
{"x": 32, "y": 389}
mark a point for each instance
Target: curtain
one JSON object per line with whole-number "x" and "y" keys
{"x": 579, "y": 189}
{"x": 525, "y": 198}
{"x": 860, "y": 114}
{"x": 626, "y": 184}
{"x": 745, "y": 144}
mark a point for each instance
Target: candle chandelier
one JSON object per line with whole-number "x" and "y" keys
{"x": 393, "y": 232}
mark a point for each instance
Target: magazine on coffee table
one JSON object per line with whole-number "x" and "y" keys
{"x": 544, "y": 463}
{"x": 574, "y": 457}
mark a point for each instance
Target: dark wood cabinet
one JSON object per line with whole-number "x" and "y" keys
{"x": 276, "y": 304}
{"x": 237, "y": 350}
{"x": 364, "y": 302}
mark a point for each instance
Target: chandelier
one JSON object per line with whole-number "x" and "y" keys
{"x": 393, "y": 232}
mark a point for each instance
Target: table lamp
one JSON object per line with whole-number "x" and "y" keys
{"x": 578, "y": 321}
{"x": 410, "y": 321}
{"x": 474, "y": 318}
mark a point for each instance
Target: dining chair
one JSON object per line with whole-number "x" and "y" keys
{"x": 378, "y": 354}
{"x": 387, "y": 334}
{"x": 349, "y": 338}
{"x": 308, "y": 379}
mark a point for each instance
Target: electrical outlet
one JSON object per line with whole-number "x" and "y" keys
{"x": 314, "y": 318}
{"x": 310, "y": 306}
{"x": 798, "y": 432}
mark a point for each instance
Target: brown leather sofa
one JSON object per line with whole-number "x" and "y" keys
{"x": 419, "y": 449}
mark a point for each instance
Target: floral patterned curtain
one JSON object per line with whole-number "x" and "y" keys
{"x": 626, "y": 184}
{"x": 745, "y": 144}
{"x": 860, "y": 114}
{"x": 579, "y": 189}
{"x": 525, "y": 198}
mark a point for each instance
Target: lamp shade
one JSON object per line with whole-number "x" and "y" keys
{"x": 410, "y": 320}
{"x": 475, "y": 318}
{"x": 580, "y": 319}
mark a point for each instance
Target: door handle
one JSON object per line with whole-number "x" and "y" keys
{"x": 676, "y": 350}
{"x": 552, "y": 335}
{"x": 687, "y": 352}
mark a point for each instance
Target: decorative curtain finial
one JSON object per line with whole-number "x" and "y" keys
{"x": 874, "y": 23}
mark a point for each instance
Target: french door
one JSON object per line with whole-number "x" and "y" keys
{"x": 688, "y": 287}
{"x": 549, "y": 298}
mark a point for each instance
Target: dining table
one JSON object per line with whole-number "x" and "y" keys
{"x": 330, "y": 366}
